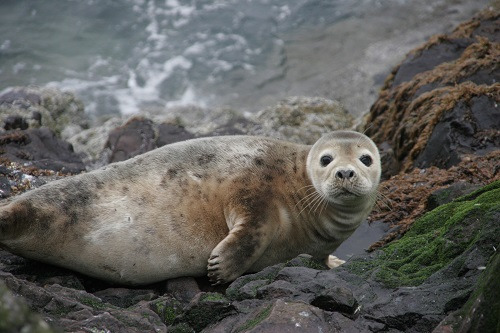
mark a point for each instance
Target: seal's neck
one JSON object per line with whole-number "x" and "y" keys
{"x": 338, "y": 221}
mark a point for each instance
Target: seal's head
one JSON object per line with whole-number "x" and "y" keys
{"x": 344, "y": 167}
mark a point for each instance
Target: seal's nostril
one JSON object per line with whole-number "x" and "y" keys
{"x": 341, "y": 174}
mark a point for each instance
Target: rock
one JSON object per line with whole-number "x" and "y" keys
{"x": 4, "y": 187}
{"x": 139, "y": 135}
{"x": 133, "y": 138}
{"x": 206, "y": 309}
{"x": 288, "y": 119}
{"x": 69, "y": 309}
{"x": 287, "y": 317}
{"x": 480, "y": 313}
{"x": 33, "y": 107}
{"x": 41, "y": 148}
{"x": 448, "y": 194}
{"x": 124, "y": 297}
{"x": 168, "y": 309}
{"x": 168, "y": 133}
{"x": 434, "y": 109}
{"x": 15, "y": 316}
{"x": 183, "y": 289}
{"x": 337, "y": 299}
{"x": 91, "y": 143}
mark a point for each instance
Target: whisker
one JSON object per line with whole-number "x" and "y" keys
{"x": 313, "y": 202}
{"x": 318, "y": 204}
{"x": 308, "y": 202}
{"x": 305, "y": 198}
{"x": 325, "y": 204}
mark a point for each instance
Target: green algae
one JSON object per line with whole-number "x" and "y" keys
{"x": 306, "y": 261}
{"x": 483, "y": 307}
{"x": 168, "y": 310}
{"x": 213, "y": 297}
{"x": 93, "y": 303}
{"x": 209, "y": 308}
{"x": 436, "y": 239}
{"x": 181, "y": 328}
{"x": 251, "y": 323}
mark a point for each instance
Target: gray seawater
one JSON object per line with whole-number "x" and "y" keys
{"x": 124, "y": 56}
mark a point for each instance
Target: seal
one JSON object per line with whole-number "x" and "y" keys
{"x": 218, "y": 206}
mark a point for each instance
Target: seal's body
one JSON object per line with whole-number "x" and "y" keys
{"x": 238, "y": 203}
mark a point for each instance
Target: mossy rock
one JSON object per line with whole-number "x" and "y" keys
{"x": 265, "y": 276}
{"x": 206, "y": 309}
{"x": 257, "y": 319}
{"x": 482, "y": 310}
{"x": 437, "y": 238}
{"x": 167, "y": 309}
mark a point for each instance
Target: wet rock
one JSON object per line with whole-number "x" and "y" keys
{"x": 448, "y": 194}
{"x": 33, "y": 107}
{"x": 4, "y": 187}
{"x": 206, "y": 309}
{"x": 124, "y": 297}
{"x": 168, "y": 308}
{"x": 287, "y": 317}
{"x": 433, "y": 109}
{"x": 41, "y": 148}
{"x": 168, "y": 133}
{"x": 15, "y": 315}
{"x": 183, "y": 289}
{"x": 69, "y": 309}
{"x": 337, "y": 299}
{"x": 133, "y": 138}
{"x": 480, "y": 313}
{"x": 139, "y": 135}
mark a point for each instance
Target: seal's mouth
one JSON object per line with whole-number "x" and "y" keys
{"x": 345, "y": 192}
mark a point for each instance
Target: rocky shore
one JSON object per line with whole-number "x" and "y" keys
{"x": 437, "y": 124}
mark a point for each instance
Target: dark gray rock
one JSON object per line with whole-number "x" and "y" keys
{"x": 468, "y": 127}
{"x": 15, "y": 315}
{"x": 429, "y": 58}
{"x": 183, "y": 289}
{"x": 337, "y": 299}
{"x": 168, "y": 133}
{"x": 135, "y": 137}
{"x": 40, "y": 148}
{"x": 125, "y": 297}
{"x": 4, "y": 187}
{"x": 206, "y": 309}
{"x": 139, "y": 135}
{"x": 448, "y": 194}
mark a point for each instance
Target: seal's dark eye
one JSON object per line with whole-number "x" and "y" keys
{"x": 325, "y": 160}
{"x": 366, "y": 160}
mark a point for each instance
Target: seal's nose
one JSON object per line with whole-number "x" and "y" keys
{"x": 345, "y": 174}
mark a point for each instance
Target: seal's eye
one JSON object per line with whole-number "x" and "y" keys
{"x": 325, "y": 160}
{"x": 366, "y": 160}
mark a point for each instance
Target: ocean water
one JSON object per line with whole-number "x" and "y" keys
{"x": 124, "y": 56}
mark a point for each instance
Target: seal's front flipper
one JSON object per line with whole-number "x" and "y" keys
{"x": 236, "y": 253}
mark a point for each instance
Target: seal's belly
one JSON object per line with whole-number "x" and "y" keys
{"x": 128, "y": 247}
